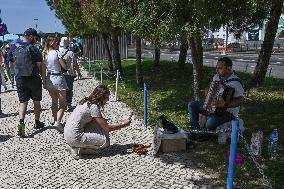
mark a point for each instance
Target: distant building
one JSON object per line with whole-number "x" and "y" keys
{"x": 253, "y": 36}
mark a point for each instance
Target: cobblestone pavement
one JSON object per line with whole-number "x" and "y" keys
{"x": 42, "y": 161}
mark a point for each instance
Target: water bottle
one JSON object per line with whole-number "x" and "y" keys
{"x": 272, "y": 143}
{"x": 256, "y": 142}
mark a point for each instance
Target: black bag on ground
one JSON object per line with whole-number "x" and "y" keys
{"x": 167, "y": 125}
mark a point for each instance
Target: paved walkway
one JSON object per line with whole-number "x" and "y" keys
{"x": 41, "y": 159}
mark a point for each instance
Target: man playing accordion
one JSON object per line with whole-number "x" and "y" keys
{"x": 223, "y": 99}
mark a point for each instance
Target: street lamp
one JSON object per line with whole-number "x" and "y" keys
{"x": 35, "y": 19}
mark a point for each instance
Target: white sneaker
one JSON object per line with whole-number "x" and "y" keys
{"x": 59, "y": 127}
{"x": 74, "y": 152}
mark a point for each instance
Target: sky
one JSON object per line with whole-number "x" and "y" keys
{"x": 19, "y": 15}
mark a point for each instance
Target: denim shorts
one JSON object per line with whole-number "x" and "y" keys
{"x": 56, "y": 82}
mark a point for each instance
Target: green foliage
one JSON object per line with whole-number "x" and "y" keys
{"x": 95, "y": 16}
{"x": 239, "y": 15}
{"x": 170, "y": 90}
{"x": 71, "y": 15}
{"x": 154, "y": 21}
{"x": 158, "y": 21}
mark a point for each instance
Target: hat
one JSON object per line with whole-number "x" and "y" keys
{"x": 31, "y": 31}
{"x": 64, "y": 42}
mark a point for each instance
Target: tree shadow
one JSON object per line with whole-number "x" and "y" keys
{"x": 115, "y": 149}
{"x": 4, "y": 138}
{"x": 187, "y": 160}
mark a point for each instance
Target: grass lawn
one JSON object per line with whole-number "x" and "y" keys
{"x": 170, "y": 90}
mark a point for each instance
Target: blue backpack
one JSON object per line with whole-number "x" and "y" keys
{"x": 23, "y": 64}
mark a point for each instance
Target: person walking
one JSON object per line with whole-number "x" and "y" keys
{"x": 55, "y": 81}
{"x": 9, "y": 69}
{"x": 70, "y": 74}
{"x": 0, "y": 84}
{"x": 86, "y": 129}
{"x": 2, "y": 70}
{"x": 29, "y": 71}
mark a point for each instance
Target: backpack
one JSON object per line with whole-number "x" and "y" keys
{"x": 75, "y": 49}
{"x": 62, "y": 69}
{"x": 23, "y": 64}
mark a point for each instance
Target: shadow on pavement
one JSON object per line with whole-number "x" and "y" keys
{"x": 39, "y": 131}
{"x": 4, "y": 138}
{"x": 3, "y": 115}
{"x": 85, "y": 78}
{"x": 176, "y": 157}
{"x": 9, "y": 90}
{"x": 185, "y": 160}
{"x": 112, "y": 150}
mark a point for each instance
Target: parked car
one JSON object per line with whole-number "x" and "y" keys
{"x": 234, "y": 45}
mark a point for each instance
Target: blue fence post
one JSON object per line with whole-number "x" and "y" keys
{"x": 145, "y": 105}
{"x": 233, "y": 153}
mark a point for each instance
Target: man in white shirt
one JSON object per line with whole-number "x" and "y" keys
{"x": 73, "y": 68}
{"x": 226, "y": 75}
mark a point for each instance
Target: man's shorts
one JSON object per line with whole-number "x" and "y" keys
{"x": 29, "y": 88}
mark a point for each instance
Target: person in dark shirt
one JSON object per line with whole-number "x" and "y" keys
{"x": 29, "y": 87}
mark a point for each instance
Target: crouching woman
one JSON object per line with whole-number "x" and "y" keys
{"x": 86, "y": 129}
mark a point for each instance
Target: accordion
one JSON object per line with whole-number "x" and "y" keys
{"x": 218, "y": 90}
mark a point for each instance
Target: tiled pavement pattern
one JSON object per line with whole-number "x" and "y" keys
{"x": 41, "y": 159}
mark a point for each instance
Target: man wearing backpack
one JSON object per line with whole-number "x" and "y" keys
{"x": 226, "y": 76}
{"x": 29, "y": 74}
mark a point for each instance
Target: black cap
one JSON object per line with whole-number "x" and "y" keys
{"x": 226, "y": 60}
{"x": 31, "y": 31}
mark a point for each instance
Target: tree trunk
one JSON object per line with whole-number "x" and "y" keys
{"x": 266, "y": 49}
{"x": 110, "y": 64}
{"x": 197, "y": 60}
{"x": 227, "y": 36}
{"x": 183, "y": 50}
{"x": 115, "y": 51}
{"x": 139, "y": 79}
{"x": 157, "y": 56}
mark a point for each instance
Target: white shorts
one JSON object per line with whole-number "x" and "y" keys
{"x": 56, "y": 82}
